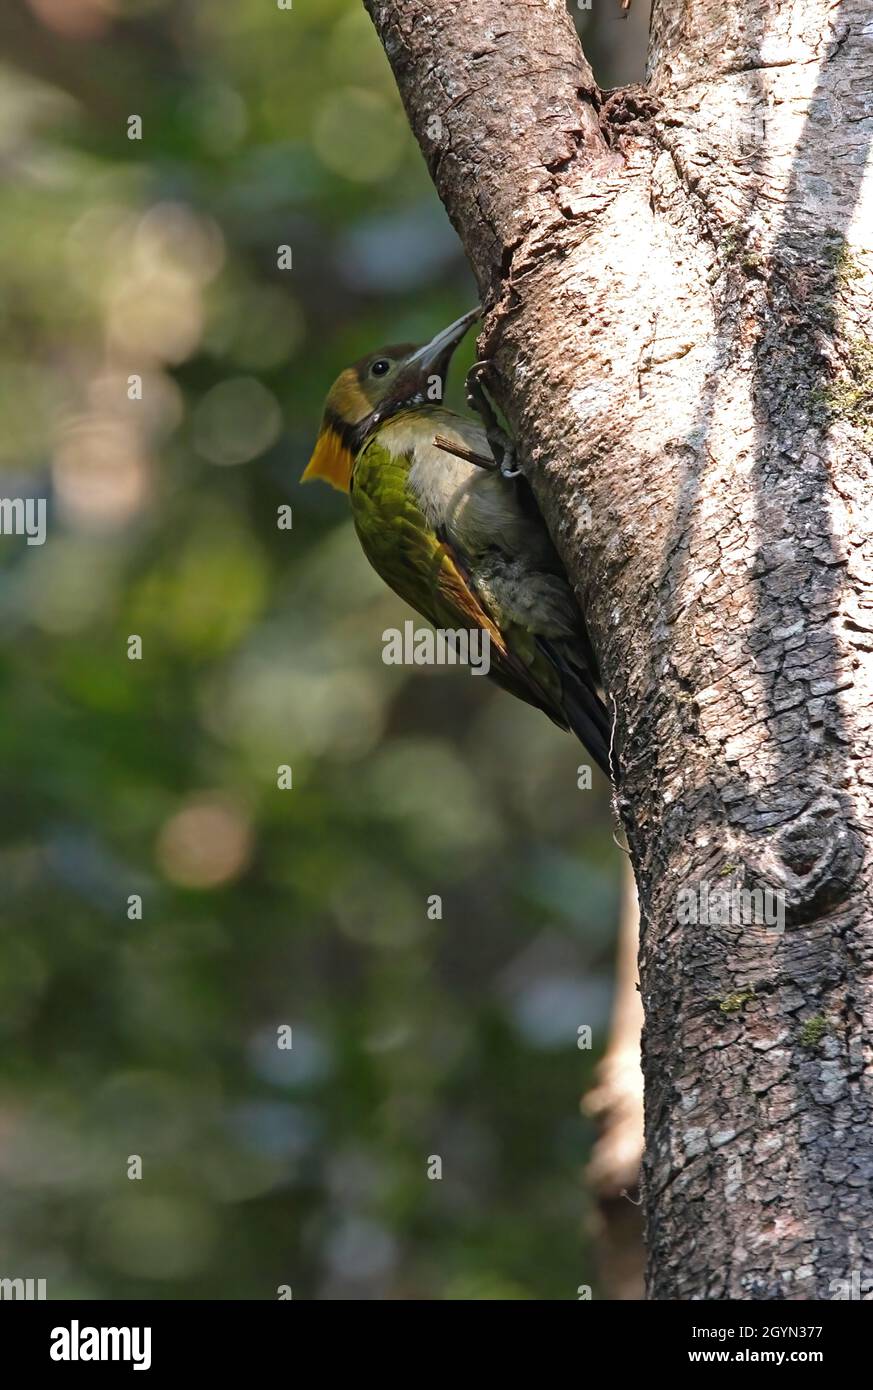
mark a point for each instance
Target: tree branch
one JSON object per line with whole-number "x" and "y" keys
{"x": 470, "y": 74}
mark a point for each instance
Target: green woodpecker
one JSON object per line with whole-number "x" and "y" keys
{"x": 454, "y": 534}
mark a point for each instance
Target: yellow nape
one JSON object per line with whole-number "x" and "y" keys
{"x": 331, "y": 461}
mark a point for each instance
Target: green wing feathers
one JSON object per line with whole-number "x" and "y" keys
{"x": 551, "y": 669}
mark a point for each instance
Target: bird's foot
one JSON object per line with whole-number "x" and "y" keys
{"x": 501, "y": 445}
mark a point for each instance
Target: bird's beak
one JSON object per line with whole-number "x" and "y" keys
{"x": 435, "y": 356}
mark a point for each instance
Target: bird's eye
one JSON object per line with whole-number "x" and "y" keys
{"x": 380, "y": 367}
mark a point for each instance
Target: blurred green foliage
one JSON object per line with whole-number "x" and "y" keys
{"x": 411, "y": 1037}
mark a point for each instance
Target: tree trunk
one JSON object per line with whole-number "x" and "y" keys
{"x": 679, "y": 291}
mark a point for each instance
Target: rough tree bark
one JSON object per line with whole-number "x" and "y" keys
{"x": 679, "y": 285}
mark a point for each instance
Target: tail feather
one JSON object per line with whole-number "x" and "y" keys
{"x": 584, "y": 711}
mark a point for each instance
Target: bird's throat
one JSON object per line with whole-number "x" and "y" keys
{"x": 333, "y": 457}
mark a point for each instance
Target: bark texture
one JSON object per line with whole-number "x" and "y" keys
{"x": 679, "y": 284}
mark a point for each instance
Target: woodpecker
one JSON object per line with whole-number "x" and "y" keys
{"x": 452, "y": 527}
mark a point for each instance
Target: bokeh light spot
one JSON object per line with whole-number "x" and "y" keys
{"x": 359, "y": 134}
{"x": 206, "y": 844}
{"x": 100, "y": 474}
{"x": 236, "y": 421}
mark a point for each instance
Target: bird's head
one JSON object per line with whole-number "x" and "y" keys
{"x": 375, "y": 388}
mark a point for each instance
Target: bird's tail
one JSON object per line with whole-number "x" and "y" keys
{"x": 584, "y": 712}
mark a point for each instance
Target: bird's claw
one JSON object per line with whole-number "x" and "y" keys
{"x": 476, "y": 397}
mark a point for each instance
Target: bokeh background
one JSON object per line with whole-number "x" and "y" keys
{"x": 261, "y": 907}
